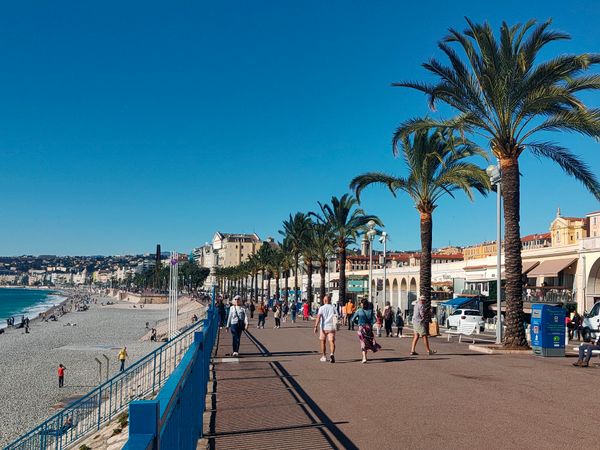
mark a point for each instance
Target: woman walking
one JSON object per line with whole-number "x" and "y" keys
{"x": 305, "y": 310}
{"x": 364, "y": 317}
{"x": 420, "y": 322}
{"x": 399, "y": 323}
{"x": 237, "y": 322}
{"x": 378, "y": 321}
{"x": 293, "y": 310}
{"x": 388, "y": 319}
{"x": 277, "y": 315}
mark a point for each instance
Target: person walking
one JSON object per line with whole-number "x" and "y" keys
{"x": 399, "y": 323}
{"x": 285, "y": 309}
{"x": 305, "y": 310}
{"x": 293, "y": 311}
{"x": 378, "y": 321}
{"x": 252, "y": 308}
{"x": 350, "y": 310}
{"x": 365, "y": 318}
{"x": 420, "y": 322}
{"x": 277, "y": 315}
{"x": 221, "y": 310}
{"x": 122, "y": 357}
{"x": 61, "y": 375}
{"x": 576, "y": 326}
{"x": 261, "y": 310}
{"x": 327, "y": 321}
{"x": 388, "y": 319}
{"x": 237, "y": 322}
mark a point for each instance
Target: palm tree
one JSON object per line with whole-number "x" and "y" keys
{"x": 295, "y": 229}
{"x": 437, "y": 167}
{"x": 263, "y": 257}
{"x": 275, "y": 266}
{"x": 323, "y": 246}
{"x": 345, "y": 221}
{"x": 503, "y": 94}
{"x": 287, "y": 262}
{"x": 308, "y": 254}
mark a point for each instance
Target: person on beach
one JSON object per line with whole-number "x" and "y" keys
{"x": 399, "y": 323}
{"x": 420, "y": 322}
{"x": 61, "y": 375}
{"x": 122, "y": 357}
{"x": 237, "y": 322}
{"x": 364, "y": 317}
{"x": 261, "y": 310}
{"x": 388, "y": 319}
{"x": 327, "y": 319}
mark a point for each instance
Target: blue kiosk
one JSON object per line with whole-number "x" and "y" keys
{"x": 547, "y": 330}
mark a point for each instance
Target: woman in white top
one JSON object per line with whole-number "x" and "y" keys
{"x": 237, "y": 322}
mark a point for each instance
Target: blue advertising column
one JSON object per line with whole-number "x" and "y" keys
{"x": 547, "y": 330}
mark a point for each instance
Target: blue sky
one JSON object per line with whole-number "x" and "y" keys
{"x": 126, "y": 124}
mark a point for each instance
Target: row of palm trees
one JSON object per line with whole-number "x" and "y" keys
{"x": 500, "y": 94}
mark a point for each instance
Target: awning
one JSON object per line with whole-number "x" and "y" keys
{"x": 527, "y": 267}
{"x": 456, "y": 302}
{"x": 551, "y": 268}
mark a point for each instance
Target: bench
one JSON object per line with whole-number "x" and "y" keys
{"x": 464, "y": 329}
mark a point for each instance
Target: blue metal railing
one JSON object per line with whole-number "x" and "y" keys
{"x": 87, "y": 415}
{"x": 173, "y": 420}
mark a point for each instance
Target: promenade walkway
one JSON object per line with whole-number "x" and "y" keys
{"x": 278, "y": 395}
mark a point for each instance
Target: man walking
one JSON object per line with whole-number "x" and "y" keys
{"x": 327, "y": 320}
{"x": 350, "y": 309}
{"x": 122, "y": 357}
{"x": 61, "y": 375}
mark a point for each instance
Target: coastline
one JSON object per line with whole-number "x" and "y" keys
{"x": 56, "y": 299}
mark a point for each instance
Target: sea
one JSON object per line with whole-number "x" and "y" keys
{"x": 27, "y": 302}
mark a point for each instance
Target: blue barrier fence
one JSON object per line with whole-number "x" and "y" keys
{"x": 173, "y": 420}
{"x": 87, "y": 415}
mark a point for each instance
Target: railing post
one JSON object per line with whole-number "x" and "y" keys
{"x": 154, "y": 375}
{"x": 144, "y": 419}
{"x": 99, "y": 405}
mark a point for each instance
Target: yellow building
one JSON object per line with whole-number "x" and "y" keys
{"x": 593, "y": 224}
{"x": 233, "y": 249}
{"x": 480, "y": 251}
{"x": 567, "y": 230}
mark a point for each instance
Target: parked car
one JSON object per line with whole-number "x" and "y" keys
{"x": 465, "y": 315}
{"x": 591, "y": 323}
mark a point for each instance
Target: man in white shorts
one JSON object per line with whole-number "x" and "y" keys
{"x": 327, "y": 320}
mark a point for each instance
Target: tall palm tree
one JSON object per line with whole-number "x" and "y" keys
{"x": 436, "y": 167}
{"x": 346, "y": 220}
{"x": 275, "y": 265}
{"x": 308, "y": 255}
{"x": 323, "y": 245}
{"x": 287, "y": 262}
{"x": 503, "y": 93}
{"x": 295, "y": 229}
{"x": 263, "y": 258}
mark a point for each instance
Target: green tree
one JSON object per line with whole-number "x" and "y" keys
{"x": 346, "y": 221}
{"x": 295, "y": 230}
{"x": 504, "y": 94}
{"x": 437, "y": 166}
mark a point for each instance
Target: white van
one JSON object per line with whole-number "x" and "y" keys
{"x": 591, "y": 323}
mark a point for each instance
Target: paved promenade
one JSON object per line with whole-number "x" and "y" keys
{"x": 278, "y": 395}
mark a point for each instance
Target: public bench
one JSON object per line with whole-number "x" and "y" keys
{"x": 464, "y": 329}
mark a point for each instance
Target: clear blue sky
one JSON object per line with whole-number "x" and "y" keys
{"x": 126, "y": 124}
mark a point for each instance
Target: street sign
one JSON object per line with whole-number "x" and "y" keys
{"x": 356, "y": 286}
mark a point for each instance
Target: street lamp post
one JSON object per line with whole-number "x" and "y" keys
{"x": 383, "y": 239}
{"x": 371, "y": 234}
{"x": 496, "y": 179}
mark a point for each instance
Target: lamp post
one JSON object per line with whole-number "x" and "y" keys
{"x": 383, "y": 239}
{"x": 371, "y": 234}
{"x": 496, "y": 179}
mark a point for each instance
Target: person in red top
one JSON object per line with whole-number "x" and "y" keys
{"x": 61, "y": 375}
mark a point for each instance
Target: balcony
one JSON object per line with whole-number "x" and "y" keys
{"x": 591, "y": 243}
{"x": 548, "y": 294}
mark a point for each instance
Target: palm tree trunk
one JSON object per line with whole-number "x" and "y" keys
{"x": 309, "y": 272}
{"x": 256, "y": 286}
{"x": 262, "y": 284}
{"x": 322, "y": 273}
{"x": 277, "y": 275}
{"x": 268, "y": 284}
{"x": 425, "y": 263}
{"x": 296, "y": 263}
{"x": 287, "y": 283}
{"x": 342, "y": 281}
{"x": 515, "y": 330}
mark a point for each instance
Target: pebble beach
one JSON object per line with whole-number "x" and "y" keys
{"x": 29, "y": 389}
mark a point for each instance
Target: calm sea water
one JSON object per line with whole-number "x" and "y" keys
{"x": 29, "y": 302}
